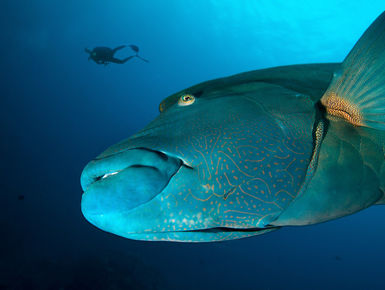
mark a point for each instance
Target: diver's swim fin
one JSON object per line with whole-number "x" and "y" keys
{"x": 357, "y": 91}
{"x": 136, "y": 49}
{"x": 141, "y": 58}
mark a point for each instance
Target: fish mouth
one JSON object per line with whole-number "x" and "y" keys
{"x": 125, "y": 180}
{"x": 100, "y": 169}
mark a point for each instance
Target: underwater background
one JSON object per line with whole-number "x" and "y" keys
{"x": 58, "y": 111}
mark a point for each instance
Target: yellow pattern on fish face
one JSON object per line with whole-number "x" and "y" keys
{"x": 249, "y": 169}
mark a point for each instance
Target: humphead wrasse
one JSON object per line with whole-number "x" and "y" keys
{"x": 247, "y": 154}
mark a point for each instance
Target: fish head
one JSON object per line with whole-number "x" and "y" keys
{"x": 218, "y": 163}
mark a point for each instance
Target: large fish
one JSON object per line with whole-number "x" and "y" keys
{"x": 247, "y": 154}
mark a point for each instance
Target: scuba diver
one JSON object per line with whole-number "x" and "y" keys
{"x": 105, "y": 55}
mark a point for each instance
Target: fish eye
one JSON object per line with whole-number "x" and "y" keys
{"x": 186, "y": 100}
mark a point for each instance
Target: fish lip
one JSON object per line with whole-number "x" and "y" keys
{"x": 87, "y": 181}
{"x": 168, "y": 154}
{"x": 212, "y": 229}
{"x": 183, "y": 235}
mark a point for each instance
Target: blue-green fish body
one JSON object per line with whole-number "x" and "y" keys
{"x": 247, "y": 154}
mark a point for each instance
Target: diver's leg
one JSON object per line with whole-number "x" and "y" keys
{"x": 116, "y": 60}
{"x": 118, "y": 48}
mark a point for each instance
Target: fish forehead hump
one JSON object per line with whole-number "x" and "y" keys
{"x": 308, "y": 79}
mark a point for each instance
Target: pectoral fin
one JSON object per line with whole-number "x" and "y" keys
{"x": 357, "y": 91}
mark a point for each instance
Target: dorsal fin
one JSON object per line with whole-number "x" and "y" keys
{"x": 357, "y": 90}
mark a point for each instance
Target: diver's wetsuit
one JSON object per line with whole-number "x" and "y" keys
{"x": 105, "y": 55}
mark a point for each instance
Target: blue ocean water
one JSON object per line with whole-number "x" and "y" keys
{"x": 58, "y": 111}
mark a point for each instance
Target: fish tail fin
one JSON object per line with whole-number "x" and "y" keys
{"x": 357, "y": 90}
